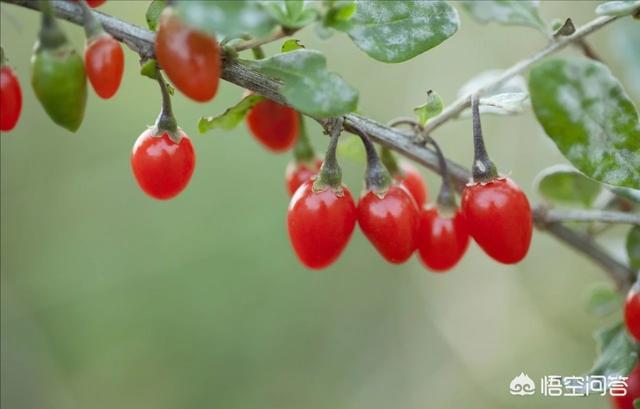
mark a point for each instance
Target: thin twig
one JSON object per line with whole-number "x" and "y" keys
{"x": 276, "y": 35}
{"x": 141, "y": 41}
{"x": 464, "y": 102}
{"x": 579, "y": 215}
{"x": 621, "y": 275}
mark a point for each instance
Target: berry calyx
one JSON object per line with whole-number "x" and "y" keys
{"x": 322, "y": 214}
{"x": 190, "y": 58}
{"x": 10, "y": 96}
{"x": 387, "y": 214}
{"x": 632, "y": 312}
{"x": 406, "y": 174}
{"x": 103, "y": 57}
{"x": 633, "y": 391}
{"x": 274, "y": 125}
{"x": 497, "y": 211}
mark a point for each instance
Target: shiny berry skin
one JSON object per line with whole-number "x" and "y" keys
{"x": 298, "y": 173}
{"x": 190, "y": 58}
{"x": 632, "y": 312}
{"x": 499, "y": 218}
{"x": 274, "y": 125}
{"x": 442, "y": 240}
{"x": 161, "y": 166}
{"x": 93, "y": 3}
{"x": 411, "y": 178}
{"x": 633, "y": 391}
{"x": 390, "y": 223}
{"x": 104, "y": 63}
{"x": 320, "y": 224}
{"x": 10, "y": 99}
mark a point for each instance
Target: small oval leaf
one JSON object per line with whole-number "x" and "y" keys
{"x": 307, "y": 84}
{"x": 585, "y": 111}
{"x": 618, "y": 354}
{"x": 230, "y": 118}
{"x": 153, "y": 13}
{"x": 633, "y": 247}
{"x": 431, "y": 108}
{"x": 507, "y": 12}
{"x": 227, "y": 19}
{"x": 562, "y": 183}
{"x": 396, "y": 31}
{"x": 618, "y": 8}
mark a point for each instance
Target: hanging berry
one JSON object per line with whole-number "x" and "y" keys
{"x": 387, "y": 214}
{"x": 10, "y": 95}
{"x": 633, "y": 391}
{"x": 632, "y": 311}
{"x": 444, "y": 236}
{"x": 190, "y": 58}
{"x": 103, "y": 56}
{"x": 274, "y": 125}
{"x": 498, "y": 213}
{"x": 93, "y": 3}
{"x": 58, "y": 77}
{"x": 322, "y": 215}
{"x": 406, "y": 174}
{"x": 305, "y": 163}
{"x": 163, "y": 159}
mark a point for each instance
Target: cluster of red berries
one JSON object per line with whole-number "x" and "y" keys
{"x": 103, "y": 65}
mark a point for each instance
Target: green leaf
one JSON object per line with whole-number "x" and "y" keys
{"x": 618, "y": 354}
{"x": 506, "y": 98}
{"x": 508, "y": 103}
{"x": 562, "y": 183}
{"x": 633, "y": 247}
{"x": 507, "y": 12}
{"x": 227, "y": 19}
{"x": 153, "y": 13}
{"x": 636, "y": 404}
{"x": 231, "y": 117}
{"x": 431, "y": 108}
{"x": 148, "y": 69}
{"x": 618, "y": 8}
{"x": 585, "y": 111}
{"x": 351, "y": 148}
{"x": 339, "y": 14}
{"x": 632, "y": 195}
{"x": 396, "y": 31}
{"x": 624, "y": 44}
{"x": 603, "y": 300}
{"x": 307, "y": 85}
{"x": 291, "y": 13}
{"x": 291, "y": 45}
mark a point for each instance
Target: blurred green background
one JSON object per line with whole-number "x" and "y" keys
{"x": 113, "y": 300}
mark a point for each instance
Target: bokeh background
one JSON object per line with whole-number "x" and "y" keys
{"x": 113, "y": 300}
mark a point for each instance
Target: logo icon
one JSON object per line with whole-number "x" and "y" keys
{"x": 522, "y": 385}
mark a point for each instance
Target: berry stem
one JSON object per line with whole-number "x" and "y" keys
{"x": 377, "y": 178}
{"x": 166, "y": 121}
{"x": 389, "y": 161}
{"x": 483, "y": 169}
{"x": 303, "y": 150}
{"x": 446, "y": 200}
{"x": 51, "y": 35}
{"x": 258, "y": 53}
{"x": 92, "y": 27}
{"x": 330, "y": 173}
{"x": 3, "y": 59}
